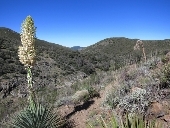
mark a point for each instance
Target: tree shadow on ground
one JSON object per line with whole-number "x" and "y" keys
{"x": 84, "y": 106}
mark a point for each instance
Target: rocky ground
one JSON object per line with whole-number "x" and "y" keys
{"x": 81, "y": 114}
{"x": 158, "y": 110}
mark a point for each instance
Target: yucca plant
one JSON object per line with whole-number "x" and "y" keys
{"x": 112, "y": 124}
{"x": 134, "y": 122}
{"x": 35, "y": 115}
{"x": 129, "y": 122}
{"x": 138, "y": 121}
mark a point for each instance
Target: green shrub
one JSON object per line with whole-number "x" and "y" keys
{"x": 93, "y": 92}
{"x": 165, "y": 78}
{"x": 80, "y": 96}
{"x": 128, "y": 100}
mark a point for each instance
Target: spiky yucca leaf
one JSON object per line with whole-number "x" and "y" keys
{"x": 114, "y": 122}
{"x": 136, "y": 121}
{"x": 37, "y": 116}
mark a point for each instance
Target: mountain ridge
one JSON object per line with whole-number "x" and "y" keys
{"x": 79, "y": 48}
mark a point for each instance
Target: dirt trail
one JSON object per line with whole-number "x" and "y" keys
{"x": 80, "y": 114}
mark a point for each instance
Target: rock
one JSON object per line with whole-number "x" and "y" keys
{"x": 168, "y": 55}
{"x": 166, "y": 118}
{"x": 136, "y": 90}
{"x": 1, "y": 88}
{"x": 167, "y": 58}
{"x": 157, "y": 110}
{"x": 22, "y": 94}
{"x": 1, "y": 95}
{"x": 161, "y": 114}
{"x": 165, "y": 103}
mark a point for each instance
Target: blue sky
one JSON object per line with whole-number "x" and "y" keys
{"x": 85, "y": 22}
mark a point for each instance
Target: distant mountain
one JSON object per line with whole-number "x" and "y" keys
{"x": 77, "y": 48}
{"x": 112, "y": 53}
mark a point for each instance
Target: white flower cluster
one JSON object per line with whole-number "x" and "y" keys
{"x": 26, "y": 52}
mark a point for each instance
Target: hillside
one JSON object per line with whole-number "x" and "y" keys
{"x": 141, "y": 89}
{"x": 116, "y": 52}
{"x": 63, "y": 56}
{"x": 60, "y": 71}
{"x": 55, "y": 63}
{"x": 55, "y": 66}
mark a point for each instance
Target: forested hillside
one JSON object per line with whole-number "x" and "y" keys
{"x": 116, "y": 52}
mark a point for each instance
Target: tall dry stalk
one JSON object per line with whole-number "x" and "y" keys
{"x": 139, "y": 45}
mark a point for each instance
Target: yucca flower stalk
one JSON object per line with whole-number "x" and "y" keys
{"x": 139, "y": 44}
{"x": 34, "y": 115}
{"x": 26, "y": 52}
